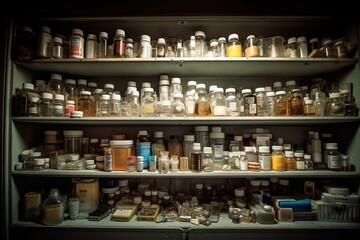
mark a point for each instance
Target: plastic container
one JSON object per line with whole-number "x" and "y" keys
{"x": 120, "y": 150}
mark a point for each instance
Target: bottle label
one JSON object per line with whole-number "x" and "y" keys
{"x": 300, "y": 165}
{"x": 53, "y": 212}
{"x": 265, "y": 162}
{"x": 334, "y": 162}
{"x": 144, "y": 149}
{"x": 33, "y": 110}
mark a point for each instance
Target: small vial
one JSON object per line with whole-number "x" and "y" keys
{"x": 222, "y": 47}
{"x": 161, "y": 48}
{"x": 119, "y": 43}
{"x": 208, "y": 159}
{"x": 152, "y": 163}
{"x": 302, "y": 47}
{"x": 104, "y": 105}
{"x": 57, "y": 51}
{"x": 300, "y": 161}
{"x": 131, "y": 164}
{"x": 34, "y": 107}
{"x": 58, "y": 106}
{"x": 108, "y": 160}
{"x": 91, "y": 46}
{"x": 69, "y": 107}
{"x": 140, "y": 163}
{"x": 145, "y": 47}
{"x": 103, "y": 42}
{"x": 129, "y": 48}
{"x": 196, "y": 158}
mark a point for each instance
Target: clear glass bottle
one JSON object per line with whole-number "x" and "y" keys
{"x": 264, "y": 158}
{"x": 119, "y": 43}
{"x": 164, "y": 162}
{"x": 207, "y": 160}
{"x": 340, "y": 49}
{"x": 158, "y": 144}
{"x": 44, "y": 42}
{"x": 148, "y": 103}
{"x": 53, "y": 208}
{"x": 260, "y": 101}
{"x": 70, "y": 90}
{"x": 129, "y": 48}
{"x": 309, "y": 165}
{"x": 218, "y": 103}
{"x": 196, "y": 160}
{"x": 134, "y": 105}
{"x": 81, "y": 86}
{"x": 335, "y": 106}
{"x": 300, "y": 161}
{"x": 222, "y": 47}
{"x": 153, "y": 163}
{"x": 250, "y": 105}
{"x": 292, "y": 51}
{"x": 226, "y": 161}
{"x": 251, "y": 47}
{"x": 214, "y": 48}
{"x": 103, "y": 44}
{"x": 58, "y": 106}
{"x": 108, "y": 161}
{"x": 45, "y": 105}
{"x": 302, "y": 47}
{"x": 309, "y": 108}
{"x": 328, "y": 48}
{"x": 234, "y": 46}
{"x": 174, "y": 163}
{"x": 91, "y": 46}
{"x": 57, "y": 51}
{"x": 232, "y": 102}
{"x": 179, "y": 49}
{"x": 115, "y": 105}
{"x": 131, "y": 163}
{"x": 281, "y": 106}
{"x": 188, "y": 147}
{"x": 332, "y": 157}
{"x": 201, "y": 46}
{"x": 86, "y": 104}
{"x": 34, "y": 107}
{"x": 145, "y": 50}
{"x": 270, "y": 100}
{"x": 178, "y": 106}
{"x": 97, "y": 101}
{"x": 56, "y": 85}
{"x": 104, "y": 105}
{"x": 314, "y": 43}
{"x": 161, "y": 47}
{"x": 202, "y": 104}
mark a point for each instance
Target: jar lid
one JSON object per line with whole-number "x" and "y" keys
{"x": 73, "y": 133}
{"x": 292, "y": 40}
{"x": 50, "y": 132}
{"x": 77, "y": 31}
{"x": 335, "y": 95}
{"x": 38, "y": 161}
{"x": 299, "y": 154}
{"x": 76, "y": 114}
{"x": 289, "y": 154}
{"x": 55, "y": 76}
{"x": 47, "y": 95}
{"x": 332, "y": 146}
{"x": 238, "y": 138}
{"x": 115, "y": 143}
{"x": 189, "y": 138}
{"x": 158, "y": 134}
{"x": 217, "y": 135}
{"x": 103, "y": 35}
{"x": 201, "y": 128}
{"x": 105, "y": 97}
{"x": 91, "y": 37}
{"x": 264, "y": 149}
{"x": 207, "y": 150}
{"x": 59, "y": 97}
{"x": 270, "y": 94}
{"x": 145, "y": 38}
{"x": 254, "y": 182}
{"x": 313, "y": 40}
{"x": 275, "y": 147}
{"x": 239, "y": 192}
{"x": 199, "y": 186}
{"x": 123, "y": 182}
{"x": 233, "y": 36}
{"x": 35, "y": 154}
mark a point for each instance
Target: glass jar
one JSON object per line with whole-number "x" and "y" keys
{"x": 251, "y": 47}
{"x": 103, "y": 42}
{"x": 72, "y": 141}
{"x": 300, "y": 161}
{"x": 196, "y": 158}
{"x": 340, "y": 49}
{"x": 222, "y": 47}
{"x": 208, "y": 159}
{"x": 292, "y": 48}
{"x": 264, "y": 158}
{"x": 45, "y": 105}
{"x": 119, "y": 43}
{"x": 234, "y": 46}
{"x": 309, "y": 108}
{"x": 145, "y": 50}
{"x": 53, "y": 208}
{"x": 277, "y": 159}
{"x": 76, "y": 44}
{"x": 290, "y": 161}
{"x": 218, "y": 103}
{"x": 86, "y": 104}
{"x": 335, "y": 106}
{"x": 281, "y": 106}
{"x": 296, "y": 104}
{"x": 201, "y": 134}
{"x": 332, "y": 157}
{"x": 58, "y": 106}
{"x": 302, "y": 47}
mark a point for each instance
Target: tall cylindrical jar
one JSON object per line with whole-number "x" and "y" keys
{"x": 76, "y": 44}
{"x": 332, "y": 157}
{"x": 91, "y": 46}
{"x": 145, "y": 47}
{"x": 103, "y": 42}
{"x": 57, "y": 51}
{"x": 119, "y": 43}
{"x": 222, "y": 47}
{"x": 44, "y": 43}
